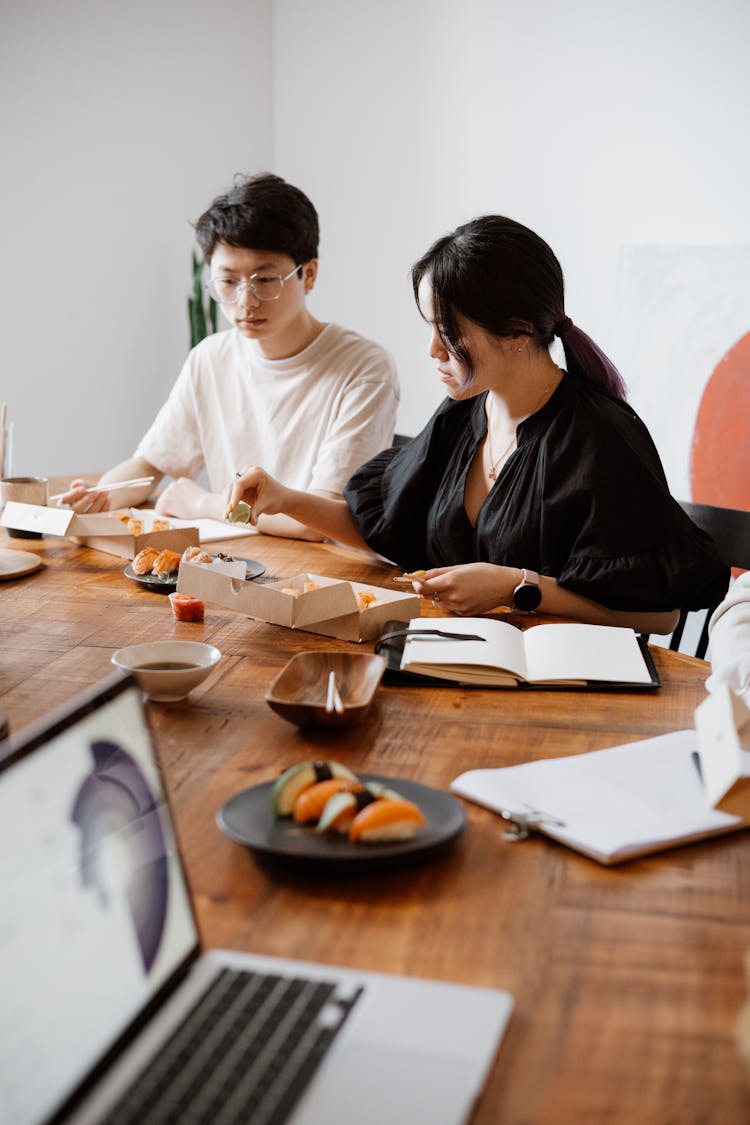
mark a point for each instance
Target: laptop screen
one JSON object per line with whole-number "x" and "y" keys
{"x": 95, "y": 913}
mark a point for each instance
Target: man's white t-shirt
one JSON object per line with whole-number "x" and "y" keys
{"x": 729, "y": 630}
{"x": 309, "y": 420}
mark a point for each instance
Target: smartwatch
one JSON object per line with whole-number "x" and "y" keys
{"x": 528, "y": 593}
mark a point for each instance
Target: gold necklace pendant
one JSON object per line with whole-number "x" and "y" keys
{"x": 495, "y": 463}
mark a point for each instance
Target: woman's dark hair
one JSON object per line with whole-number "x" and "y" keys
{"x": 505, "y": 278}
{"x": 261, "y": 212}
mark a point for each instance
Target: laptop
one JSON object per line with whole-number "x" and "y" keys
{"x": 111, "y": 1012}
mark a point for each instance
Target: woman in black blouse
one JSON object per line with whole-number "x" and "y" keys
{"x": 531, "y": 485}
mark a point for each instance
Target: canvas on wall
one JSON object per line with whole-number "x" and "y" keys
{"x": 682, "y": 343}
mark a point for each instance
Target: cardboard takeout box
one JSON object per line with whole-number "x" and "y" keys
{"x": 331, "y": 608}
{"x": 722, "y": 723}
{"x": 105, "y": 532}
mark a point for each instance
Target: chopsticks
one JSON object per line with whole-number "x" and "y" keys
{"x": 333, "y": 699}
{"x": 113, "y": 487}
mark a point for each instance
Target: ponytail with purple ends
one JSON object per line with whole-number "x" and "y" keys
{"x": 504, "y": 277}
{"x": 584, "y": 357}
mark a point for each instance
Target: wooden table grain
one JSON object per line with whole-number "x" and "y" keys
{"x": 628, "y": 981}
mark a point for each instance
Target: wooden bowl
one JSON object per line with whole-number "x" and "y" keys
{"x": 300, "y": 690}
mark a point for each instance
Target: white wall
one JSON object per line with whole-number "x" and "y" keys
{"x": 597, "y": 123}
{"x": 119, "y": 122}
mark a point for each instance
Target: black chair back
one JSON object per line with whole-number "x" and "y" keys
{"x": 730, "y": 530}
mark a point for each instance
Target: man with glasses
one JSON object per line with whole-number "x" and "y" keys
{"x": 312, "y": 401}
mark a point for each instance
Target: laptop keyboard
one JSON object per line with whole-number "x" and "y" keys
{"x": 243, "y": 1054}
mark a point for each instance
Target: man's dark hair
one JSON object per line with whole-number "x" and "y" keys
{"x": 261, "y": 212}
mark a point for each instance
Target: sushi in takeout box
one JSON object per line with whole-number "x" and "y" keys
{"x": 105, "y": 532}
{"x": 321, "y": 605}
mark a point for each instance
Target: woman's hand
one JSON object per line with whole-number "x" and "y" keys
{"x": 261, "y": 491}
{"x": 82, "y": 501}
{"x": 470, "y": 588}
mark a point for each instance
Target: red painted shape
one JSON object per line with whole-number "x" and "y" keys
{"x": 720, "y": 453}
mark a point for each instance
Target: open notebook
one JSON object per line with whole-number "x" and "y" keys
{"x": 110, "y": 1012}
{"x": 611, "y": 805}
{"x": 485, "y": 652}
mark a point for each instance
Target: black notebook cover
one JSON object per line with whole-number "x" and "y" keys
{"x": 391, "y": 648}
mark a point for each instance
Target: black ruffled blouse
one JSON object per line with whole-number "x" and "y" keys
{"x": 583, "y": 499}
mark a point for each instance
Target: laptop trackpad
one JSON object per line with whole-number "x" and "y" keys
{"x": 373, "y": 1084}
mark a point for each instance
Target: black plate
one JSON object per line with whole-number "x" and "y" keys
{"x": 254, "y": 568}
{"x": 159, "y": 583}
{"x": 247, "y": 818}
{"x": 167, "y": 583}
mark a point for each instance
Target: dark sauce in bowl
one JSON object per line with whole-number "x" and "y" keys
{"x": 166, "y": 666}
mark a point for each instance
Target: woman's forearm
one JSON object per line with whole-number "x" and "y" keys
{"x": 472, "y": 588}
{"x": 564, "y": 603}
{"x": 330, "y": 517}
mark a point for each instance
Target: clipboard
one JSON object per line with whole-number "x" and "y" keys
{"x": 390, "y": 645}
{"x": 610, "y": 805}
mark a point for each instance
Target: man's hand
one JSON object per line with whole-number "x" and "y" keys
{"x": 82, "y": 501}
{"x": 186, "y": 500}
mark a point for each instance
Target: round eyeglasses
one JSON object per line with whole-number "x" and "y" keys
{"x": 266, "y": 287}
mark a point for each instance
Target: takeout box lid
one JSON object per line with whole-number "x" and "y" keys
{"x": 331, "y": 609}
{"x": 103, "y": 532}
{"x": 722, "y": 723}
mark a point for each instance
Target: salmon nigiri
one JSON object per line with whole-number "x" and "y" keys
{"x": 144, "y": 560}
{"x": 310, "y": 803}
{"x": 341, "y": 809}
{"x": 166, "y": 562}
{"x": 386, "y": 820}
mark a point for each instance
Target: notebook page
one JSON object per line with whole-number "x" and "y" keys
{"x": 503, "y": 647}
{"x": 613, "y": 803}
{"x": 575, "y": 651}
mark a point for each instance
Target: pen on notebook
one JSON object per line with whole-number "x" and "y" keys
{"x": 112, "y": 487}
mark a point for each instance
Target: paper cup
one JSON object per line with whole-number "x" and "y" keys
{"x": 25, "y": 490}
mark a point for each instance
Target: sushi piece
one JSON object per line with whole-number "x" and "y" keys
{"x": 288, "y": 787}
{"x": 144, "y": 560}
{"x": 341, "y": 809}
{"x": 187, "y": 608}
{"x": 311, "y": 801}
{"x": 410, "y": 576}
{"x": 365, "y": 599}
{"x": 195, "y": 554}
{"x": 160, "y": 525}
{"x": 166, "y": 562}
{"x": 240, "y": 513}
{"x": 135, "y": 527}
{"x": 386, "y": 820}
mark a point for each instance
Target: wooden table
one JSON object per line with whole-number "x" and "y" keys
{"x": 627, "y": 981}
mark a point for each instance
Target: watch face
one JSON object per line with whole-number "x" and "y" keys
{"x": 527, "y": 596}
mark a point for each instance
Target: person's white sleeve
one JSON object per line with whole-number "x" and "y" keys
{"x": 173, "y": 444}
{"x": 364, "y": 425}
{"x": 729, "y": 631}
